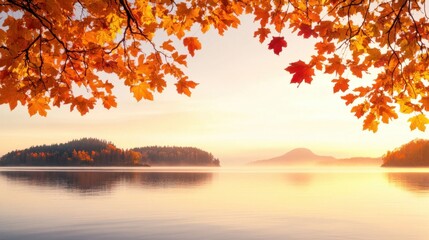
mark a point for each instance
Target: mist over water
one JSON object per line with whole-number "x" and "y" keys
{"x": 214, "y": 203}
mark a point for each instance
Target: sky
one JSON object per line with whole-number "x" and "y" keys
{"x": 243, "y": 109}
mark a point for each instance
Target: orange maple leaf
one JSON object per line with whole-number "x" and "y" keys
{"x": 350, "y": 98}
{"x": 193, "y": 44}
{"x": 425, "y": 103}
{"x": 141, "y": 91}
{"x": 109, "y": 101}
{"x": 38, "y": 105}
{"x": 341, "y": 84}
{"x": 371, "y": 123}
{"x": 335, "y": 65}
{"x": 324, "y": 47}
{"x": 277, "y": 44}
{"x": 180, "y": 59}
{"x": 301, "y": 72}
{"x": 167, "y": 46}
{"x": 183, "y": 86}
{"x": 262, "y": 33}
{"x": 357, "y": 70}
{"x": 82, "y": 104}
{"x": 360, "y": 109}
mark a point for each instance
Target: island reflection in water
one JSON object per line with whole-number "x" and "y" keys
{"x": 410, "y": 181}
{"x": 99, "y": 182}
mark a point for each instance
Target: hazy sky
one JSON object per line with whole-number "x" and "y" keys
{"x": 244, "y": 109}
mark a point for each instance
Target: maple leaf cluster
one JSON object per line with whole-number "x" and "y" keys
{"x": 376, "y": 51}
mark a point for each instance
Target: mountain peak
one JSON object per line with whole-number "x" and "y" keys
{"x": 300, "y": 153}
{"x": 295, "y": 156}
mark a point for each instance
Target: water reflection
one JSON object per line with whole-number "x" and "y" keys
{"x": 411, "y": 181}
{"x": 89, "y": 182}
{"x": 299, "y": 179}
{"x": 173, "y": 179}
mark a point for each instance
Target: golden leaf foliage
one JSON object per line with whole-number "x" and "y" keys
{"x": 375, "y": 50}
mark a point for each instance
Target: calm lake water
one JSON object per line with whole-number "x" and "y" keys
{"x": 207, "y": 203}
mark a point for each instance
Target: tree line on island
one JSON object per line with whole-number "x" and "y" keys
{"x": 412, "y": 154}
{"x": 95, "y": 152}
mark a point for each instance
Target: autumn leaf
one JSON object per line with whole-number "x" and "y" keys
{"x": 301, "y": 72}
{"x": 370, "y": 123}
{"x": 193, "y": 44}
{"x": 405, "y": 105}
{"x": 335, "y": 65}
{"x": 357, "y": 70}
{"x": 360, "y": 109}
{"x": 341, "y": 84}
{"x": 306, "y": 31}
{"x": 363, "y": 91}
{"x": 425, "y": 103}
{"x": 141, "y": 91}
{"x": 11, "y": 96}
{"x": 324, "y": 47}
{"x": 39, "y": 105}
{"x": 167, "y": 46}
{"x": 183, "y": 87}
{"x": 419, "y": 121}
{"x": 180, "y": 59}
{"x": 262, "y": 33}
{"x": 277, "y": 44}
{"x": 109, "y": 101}
{"x": 350, "y": 98}
{"x": 261, "y": 15}
{"x": 317, "y": 61}
{"x": 82, "y": 104}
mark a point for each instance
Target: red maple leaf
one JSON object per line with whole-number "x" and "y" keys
{"x": 306, "y": 31}
{"x": 301, "y": 72}
{"x": 277, "y": 44}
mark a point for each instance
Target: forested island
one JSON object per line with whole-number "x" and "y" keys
{"x": 95, "y": 152}
{"x": 412, "y": 154}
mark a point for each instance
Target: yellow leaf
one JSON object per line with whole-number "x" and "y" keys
{"x": 419, "y": 122}
{"x": 115, "y": 24}
{"x": 404, "y": 105}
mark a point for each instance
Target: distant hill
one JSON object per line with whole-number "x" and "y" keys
{"x": 412, "y": 154}
{"x": 304, "y": 156}
{"x": 95, "y": 152}
{"x": 298, "y": 156}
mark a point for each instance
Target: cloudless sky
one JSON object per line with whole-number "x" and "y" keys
{"x": 244, "y": 109}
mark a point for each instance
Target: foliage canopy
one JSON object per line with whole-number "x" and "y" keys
{"x": 48, "y": 49}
